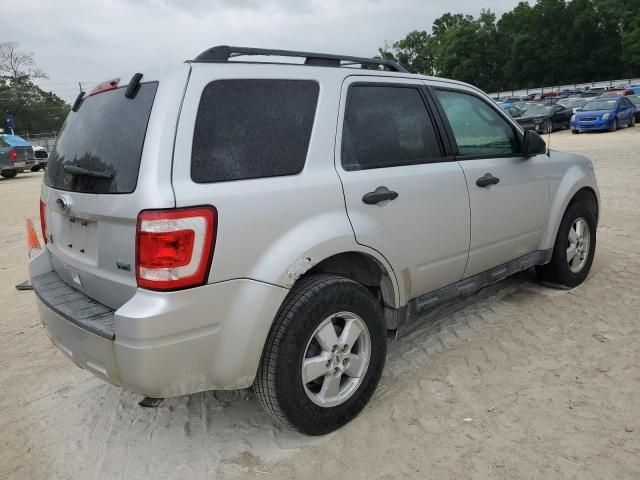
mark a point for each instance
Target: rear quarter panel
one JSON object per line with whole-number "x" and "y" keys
{"x": 272, "y": 229}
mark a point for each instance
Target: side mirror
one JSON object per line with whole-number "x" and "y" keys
{"x": 533, "y": 144}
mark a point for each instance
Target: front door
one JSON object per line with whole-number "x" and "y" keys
{"x": 509, "y": 193}
{"x": 403, "y": 197}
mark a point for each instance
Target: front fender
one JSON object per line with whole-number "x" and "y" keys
{"x": 564, "y": 186}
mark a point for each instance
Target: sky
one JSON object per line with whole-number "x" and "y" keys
{"x": 91, "y": 41}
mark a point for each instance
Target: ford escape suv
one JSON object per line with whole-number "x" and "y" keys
{"x": 233, "y": 222}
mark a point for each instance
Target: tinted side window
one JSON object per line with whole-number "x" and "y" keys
{"x": 386, "y": 127}
{"x": 252, "y": 128}
{"x": 478, "y": 129}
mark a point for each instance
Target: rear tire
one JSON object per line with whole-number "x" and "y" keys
{"x": 8, "y": 173}
{"x": 575, "y": 132}
{"x": 311, "y": 325}
{"x": 36, "y": 168}
{"x": 574, "y": 247}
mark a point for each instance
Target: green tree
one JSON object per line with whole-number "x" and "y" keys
{"x": 551, "y": 42}
{"x": 34, "y": 110}
{"x": 631, "y": 47}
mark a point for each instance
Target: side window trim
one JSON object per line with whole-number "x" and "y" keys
{"x": 429, "y": 105}
{"x": 449, "y": 130}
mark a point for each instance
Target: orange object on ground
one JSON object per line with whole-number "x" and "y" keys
{"x": 32, "y": 238}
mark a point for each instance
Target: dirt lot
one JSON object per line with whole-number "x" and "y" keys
{"x": 525, "y": 382}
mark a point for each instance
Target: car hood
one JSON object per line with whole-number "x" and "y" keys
{"x": 593, "y": 113}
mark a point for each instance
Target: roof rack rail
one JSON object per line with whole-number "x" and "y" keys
{"x": 223, "y": 53}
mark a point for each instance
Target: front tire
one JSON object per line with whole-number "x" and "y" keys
{"x": 574, "y": 247}
{"x": 324, "y": 355}
{"x": 614, "y": 125}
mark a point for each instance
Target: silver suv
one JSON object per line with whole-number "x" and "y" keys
{"x": 231, "y": 222}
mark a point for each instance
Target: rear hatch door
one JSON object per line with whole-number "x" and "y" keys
{"x": 111, "y": 160}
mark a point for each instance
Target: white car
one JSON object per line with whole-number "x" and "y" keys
{"x": 41, "y": 155}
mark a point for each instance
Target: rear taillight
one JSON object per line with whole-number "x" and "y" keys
{"x": 13, "y": 155}
{"x": 43, "y": 220}
{"x": 174, "y": 247}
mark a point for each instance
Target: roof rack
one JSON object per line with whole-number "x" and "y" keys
{"x": 223, "y": 53}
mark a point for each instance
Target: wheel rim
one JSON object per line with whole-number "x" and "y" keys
{"x": 578, "y": 245}
{"x": 336, "y": 359}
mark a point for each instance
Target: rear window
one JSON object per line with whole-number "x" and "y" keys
{"x": 252, "y": 129}
{"x": 99, "y": 147}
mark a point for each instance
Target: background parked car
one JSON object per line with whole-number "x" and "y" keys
{"x": 16, "y": 155}
{"x": 593, "y": 92}
{"x": 613, "y": 93}
{"x": 41, "y": 157}
{"x": 604, "y": 114}
{"x": 544, "y": 118}
{"x": 635, "y": 99}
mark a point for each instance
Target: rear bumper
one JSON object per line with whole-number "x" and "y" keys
{"x": 167, "y": 344}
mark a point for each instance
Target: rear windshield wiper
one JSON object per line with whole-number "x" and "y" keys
{"x": 74, "y": 170}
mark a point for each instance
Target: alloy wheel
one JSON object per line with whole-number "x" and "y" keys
{"x": 336, "y": 359}
{"x": 578, "y": 244}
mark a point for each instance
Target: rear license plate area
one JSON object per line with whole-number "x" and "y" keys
{"x": 80, "y": 237}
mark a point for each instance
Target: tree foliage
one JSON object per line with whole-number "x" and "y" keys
{"x": 33, "y": 109}
{"x": 550, "y": 42}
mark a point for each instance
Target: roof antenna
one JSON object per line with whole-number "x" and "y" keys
{"x": 550, "y": 129}
{"x": 549, "y": 142}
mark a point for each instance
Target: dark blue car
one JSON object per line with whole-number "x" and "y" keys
{"x": 608, "y": 113}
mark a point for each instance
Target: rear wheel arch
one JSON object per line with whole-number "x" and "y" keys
{"x": 363, "y": 269}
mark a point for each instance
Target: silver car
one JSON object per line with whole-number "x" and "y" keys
{"x": 228, "y": 223}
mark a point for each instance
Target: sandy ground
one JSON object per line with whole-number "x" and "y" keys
{"x": 523, "y": 382}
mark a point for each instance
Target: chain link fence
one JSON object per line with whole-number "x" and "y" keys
{"x": 45, "y": 140}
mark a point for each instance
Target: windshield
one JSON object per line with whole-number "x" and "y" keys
{"x": 635, "y": 99}
{"x": 572, "y": 102}
{"x": 99, "y": 147}
{"x": 537, "y": 109}
{"x": 599, "y": 105}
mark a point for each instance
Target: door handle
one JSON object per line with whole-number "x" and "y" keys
{"x": 486, "y": 180}
{"x": 380, "y": 194}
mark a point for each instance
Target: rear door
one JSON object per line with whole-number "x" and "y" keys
{"x": 111, "y": 160}
{"x": 509, "y": 193}
{"x": 404, "y": 196}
